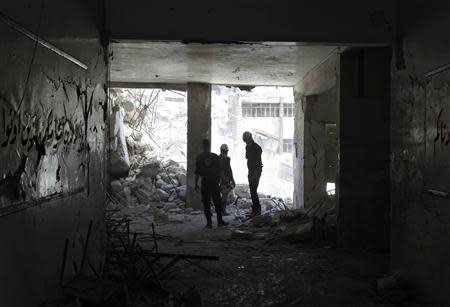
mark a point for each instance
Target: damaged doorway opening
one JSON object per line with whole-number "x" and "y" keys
{"x": 149, "y": 145}
{"x": 268, "y": 113}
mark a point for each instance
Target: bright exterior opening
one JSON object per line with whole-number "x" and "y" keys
{"x": 331, "y": 188}
{"x": 155, "y": 124}
{"x": 268, "y": 113}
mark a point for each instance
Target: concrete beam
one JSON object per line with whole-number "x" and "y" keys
{"x": 163, "y": 86}
{"x": 199, "y": 128}
{"x": 320, "y": 21}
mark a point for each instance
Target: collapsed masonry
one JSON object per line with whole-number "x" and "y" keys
{"x": 141, "y": 177}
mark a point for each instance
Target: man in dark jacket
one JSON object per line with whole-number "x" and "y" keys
{"x": 208, "y": 168}
{"x": 227, "y": 183}
{"x": 254, "y": 164}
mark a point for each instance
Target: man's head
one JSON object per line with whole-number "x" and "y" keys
{"x": 224, "y": 149}
{"x": 247, "y": 137}
{"x": 206, "y": 145}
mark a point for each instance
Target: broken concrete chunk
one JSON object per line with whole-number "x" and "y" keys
{"x": 169, "y": 206}
{"x": 136, "y": 135}
{"x": 160, "y": 183}
{"x": 151, "y": 168}
{"x": 242, "y": 190}
{"x": 116, "y": 186}
{"x": 182, "y": 179}
{"x": 182, "y": 192}
{"x": 241, "y": 235}
{"x": 176, "y": 211}
{"x": 261, "y": 220}
{"x": 145, "y": 195}
{"x": 163, "y": 195}
{"x": 300, "y": 233}
{"x": 170, "y": 163}
{"x": 160, "y": 216}
{"x": 173, "y": 196}
{"x": 168, "y": 187}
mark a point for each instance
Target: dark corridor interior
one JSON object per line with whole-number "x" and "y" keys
{"x": 246, "y": 153}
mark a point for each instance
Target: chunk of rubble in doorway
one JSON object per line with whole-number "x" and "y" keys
{"x": 261, "y": 220}
{"x": 116, "y": 186}
{"x": 182, "y": 179}
{"x": 242, "y": 235}
{"x": 163, "y": 195}
{"x": 298, "y": 233}
{"x": 160, "y": 216}
{"x": 181, "y": 191}
{"x": 176, "y": 211}
{"x": 242, "y": 190}
{"x": 151, "y": 168}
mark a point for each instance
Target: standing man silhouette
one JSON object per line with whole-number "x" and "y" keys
{"x": 227, "y": 182}
{"x": 253, "y": 155}
{"x": 208, "y": 168}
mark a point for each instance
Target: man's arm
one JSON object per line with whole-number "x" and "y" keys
{"x": 197, "y": 175}
{"x": 196, "y": 183}
{"x": 231, "y": 172}
{"x": 219, "y": 169}
{"x": 259, "y": 155}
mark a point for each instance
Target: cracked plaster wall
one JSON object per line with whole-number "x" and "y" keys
{"x": 52, "y": 144}
{"x": 420, "y": 151}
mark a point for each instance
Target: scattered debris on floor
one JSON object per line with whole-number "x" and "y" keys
{"x": 136, "y": 272}
{"x": 395, "y": 290}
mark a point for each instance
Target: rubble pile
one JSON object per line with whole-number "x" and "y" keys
{"x": 155, "y": 181}
{"x": 240, "y": 203}
{"x": 316, "y": 225}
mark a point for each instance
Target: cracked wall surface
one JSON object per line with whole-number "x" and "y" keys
{"x": 420, "y": 152}
{"x": 316, "y": 105}
{"x": 52, "y": 142}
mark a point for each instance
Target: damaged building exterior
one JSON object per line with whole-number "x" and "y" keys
{"x": 370, "y": 111}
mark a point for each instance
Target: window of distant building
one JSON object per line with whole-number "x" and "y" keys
{"x": 251, "y": 109}
{"x": 175, "y": 99}
{"x": 288, "y": 145}
{"x": 288, "y": 110}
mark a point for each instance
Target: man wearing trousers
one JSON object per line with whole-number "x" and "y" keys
{"x": 208, "y": 168}
{"x": 253, "y": 155}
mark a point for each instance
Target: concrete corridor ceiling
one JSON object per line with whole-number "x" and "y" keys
{"x": 280, "y": 64}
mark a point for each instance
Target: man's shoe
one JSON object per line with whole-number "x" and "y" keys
{"x": 256, "y": 213}
{"x": 222, "y": 223}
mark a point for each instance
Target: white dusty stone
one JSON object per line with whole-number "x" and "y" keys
{"x": 116, "y": 186}
{"x": 182, "y": 192}
{"x": 163, "y": 195}
{"x": 182, "y": 179}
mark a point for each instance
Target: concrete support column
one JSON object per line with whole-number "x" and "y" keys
{"x": 199, "y": 128}
{"x": 316, "y": 101}
{"x": 299, "y": 135}
{"x": 364, "y": 197}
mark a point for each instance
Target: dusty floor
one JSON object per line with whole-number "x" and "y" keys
{"x": 262, "y": 271}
